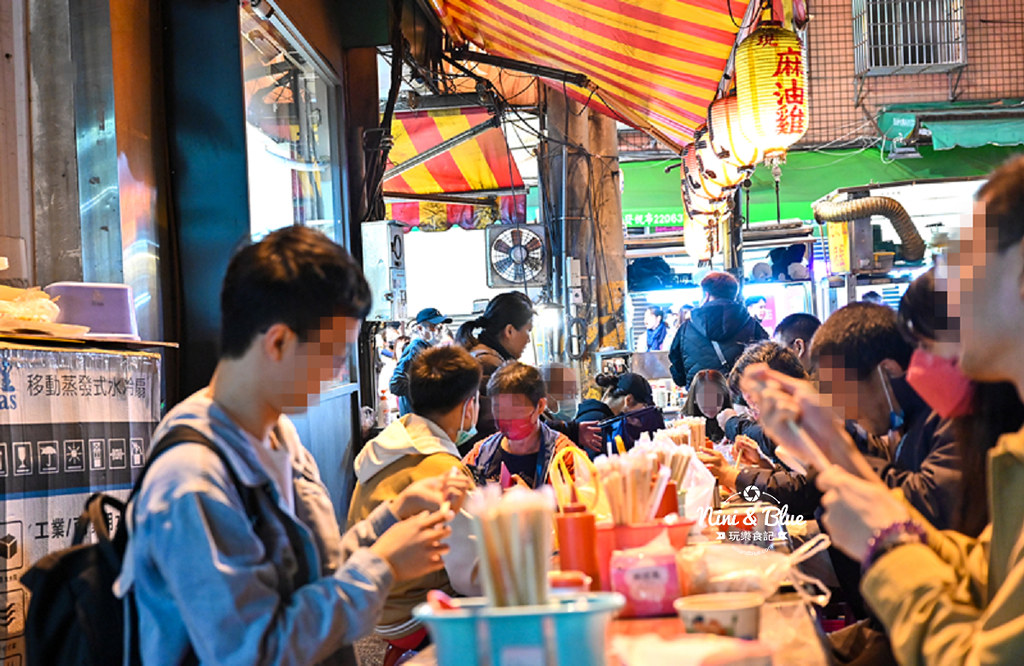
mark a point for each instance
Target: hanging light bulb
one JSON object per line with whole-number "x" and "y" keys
{"x": 726, "y": 136}
{"x": 771, "y": 89}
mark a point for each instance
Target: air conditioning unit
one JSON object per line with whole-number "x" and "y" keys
{"x": 517, "y": 256}
{"x": 384, "y": 268}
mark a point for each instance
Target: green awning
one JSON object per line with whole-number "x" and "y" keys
{"x": 963, "y": 124}
{"x": 806, "y": 177}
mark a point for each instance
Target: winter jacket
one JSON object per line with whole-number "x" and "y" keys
{"x": 726, "y": 323}
{"x": 410, "y": 449}
{"x": 201, "y": 575}
{"x": 399, "y": 384}
{"x": 486, "y": 455}
{"x": 593, "y": 410}
{"x": 959, "y": 600}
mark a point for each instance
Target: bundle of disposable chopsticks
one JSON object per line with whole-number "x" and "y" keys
{"x": 690, "y": 430}
{"x": 635, "y": 482}
{"x": 676, "y": 458}
{"x": 513, "y": 533}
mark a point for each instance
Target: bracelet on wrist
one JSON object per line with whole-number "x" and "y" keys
{"x": 890, "y": 538}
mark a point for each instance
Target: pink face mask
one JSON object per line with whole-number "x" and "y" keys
{"x": 517, "y": 429}
{"x": 940, "y": 383}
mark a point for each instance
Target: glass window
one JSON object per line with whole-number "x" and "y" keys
{"x": 289, "y": 105}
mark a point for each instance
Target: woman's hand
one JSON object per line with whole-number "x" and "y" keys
{"x": 719, "y": 467}
{"x": 800, "y": 418}
{"x": 856, "y": 509}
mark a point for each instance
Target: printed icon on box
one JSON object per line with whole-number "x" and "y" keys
{"x": 48, "y": 458}
{"x": 11, "y": 548}
{"x": 22, "y": 458}
{"x": 4, "y": 464}
{"x": 97, "y": 454}
{"x": 136, "y": 452}
{"x": 12, "y": 613}
{"x": 118, "y": 454}
{"x": 74, "y": 455}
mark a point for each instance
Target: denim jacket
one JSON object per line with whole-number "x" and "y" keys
{"x": 201, "y": 575}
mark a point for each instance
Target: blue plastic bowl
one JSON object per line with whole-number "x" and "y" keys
{"x": 568, "y": 629}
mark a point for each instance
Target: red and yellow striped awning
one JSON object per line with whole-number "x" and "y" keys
{"x": 477, "y": 167}
{"x": 655, "y": 63}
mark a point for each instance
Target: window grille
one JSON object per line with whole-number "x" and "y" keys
{"x": 908, "y": 36}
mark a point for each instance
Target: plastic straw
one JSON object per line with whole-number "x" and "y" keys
{"x": 659, "y": 492}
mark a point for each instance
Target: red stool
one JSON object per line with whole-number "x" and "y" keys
{"x": 398, "y": 647}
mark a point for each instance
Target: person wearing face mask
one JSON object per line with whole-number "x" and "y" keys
{"x": 444, "y": 386}
{"x": 505, "y": 327}
{"x": 427, "y": 327}
{"x": 981, "y": 411}
{"x": 523, "y": 445}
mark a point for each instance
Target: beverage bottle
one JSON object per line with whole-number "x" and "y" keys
{"x": 577, "y": 540}
{"x": 383, "y": 410}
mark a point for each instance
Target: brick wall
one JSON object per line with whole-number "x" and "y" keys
{"x": 995, "y": 68}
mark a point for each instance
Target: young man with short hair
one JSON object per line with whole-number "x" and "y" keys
{"x": 444, "y": 384}
{"x": 716, "y": 332}
{"x": 795, "y": 332}
{"x": 269, "y": 578}
{"x": 524, "y": 444}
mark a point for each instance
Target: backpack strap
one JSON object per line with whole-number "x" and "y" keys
{"x": 182, "y": 434}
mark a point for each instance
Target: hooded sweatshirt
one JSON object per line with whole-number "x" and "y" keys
{"x": 410, "y": 449}
{"x": 726, "y": 324}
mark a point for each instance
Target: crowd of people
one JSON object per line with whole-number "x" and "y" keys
{"x": 917, "y": 410}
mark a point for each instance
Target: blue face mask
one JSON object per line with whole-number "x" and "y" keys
{"x": 463, "y": 436}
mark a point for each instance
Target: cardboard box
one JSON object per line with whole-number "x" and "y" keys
{"x": 72, "y": 422}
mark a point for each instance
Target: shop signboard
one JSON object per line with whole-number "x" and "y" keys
{"x": 654, "y": 219}
{"x": 838, "y": 247}
{"x": 72, "y": 422}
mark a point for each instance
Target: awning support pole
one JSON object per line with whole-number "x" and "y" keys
{"x": 443, "y": 147}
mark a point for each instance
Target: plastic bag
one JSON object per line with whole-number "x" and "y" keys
{"x": 699, "y": 485}
{"x": 722, "y": 567}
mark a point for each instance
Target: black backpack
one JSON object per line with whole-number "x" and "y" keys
{"x": 73, "y": 616}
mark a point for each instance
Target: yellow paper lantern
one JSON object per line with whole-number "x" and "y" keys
{"x": 699, "y": 237}
{"x": 771, "y": 89}
{"x": 726, "y": 136}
